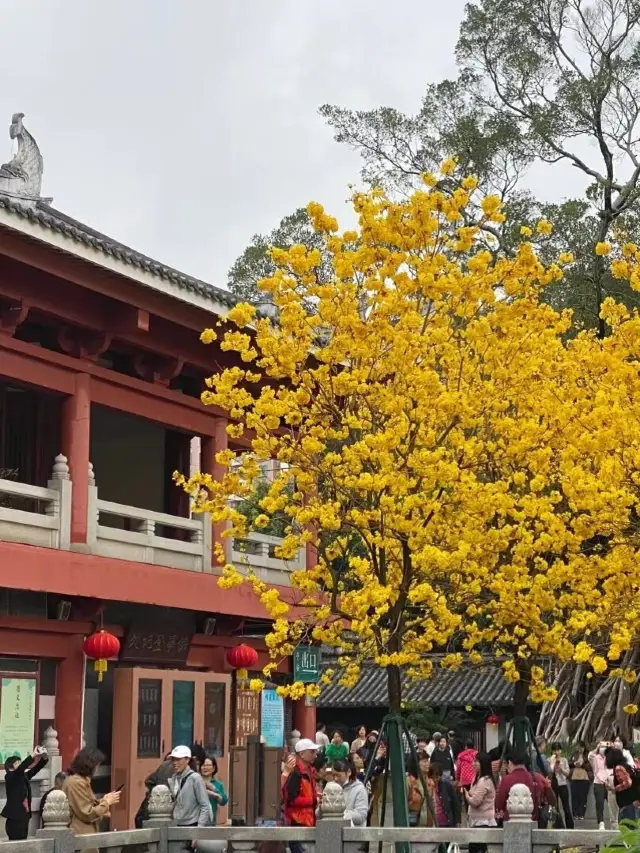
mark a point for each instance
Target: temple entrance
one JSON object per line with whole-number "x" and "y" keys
{"x": 155, "y": 710}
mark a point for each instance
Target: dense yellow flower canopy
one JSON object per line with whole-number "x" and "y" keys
{"x": 467, "y": 472}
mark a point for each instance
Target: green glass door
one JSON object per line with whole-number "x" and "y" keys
{"x": 182, "y": 708}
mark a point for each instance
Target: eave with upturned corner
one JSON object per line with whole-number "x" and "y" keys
{"x": 98, "y": 327}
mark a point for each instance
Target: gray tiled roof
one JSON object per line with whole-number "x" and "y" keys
{"x": 485, "y": 686}
{"x": 53, "y": 219}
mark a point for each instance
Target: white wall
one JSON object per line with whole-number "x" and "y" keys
{"x": 491, "y": 736}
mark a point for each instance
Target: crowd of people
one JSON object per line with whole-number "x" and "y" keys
{"x": 448, "y": 783}
{"x": 190, "y": 774}
{"x": 451, "y": 783}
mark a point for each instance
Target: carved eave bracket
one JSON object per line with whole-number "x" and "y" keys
{"x": 83, "y": 343}
{"x": 157, "y": 368}
{"x": 13, "y": 312}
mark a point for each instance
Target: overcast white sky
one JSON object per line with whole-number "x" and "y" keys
{"x": 183, "y": 127}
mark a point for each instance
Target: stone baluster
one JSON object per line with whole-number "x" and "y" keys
{"x": 56, "y": 818}
{"x": 56, "y": 814}
{"x": 51, "y": 743}
{"x": 160, "y": 808}
{"x": 331, "y": 823}
{"x": 160, "y": 805}
{"x": 54, "y": 766}
{"x": 60, "y": 482}
{"x": 147, "y": 526}
{"x": 60, "y": 470}
{"x": 93, "y": 515}
{"x": 518, "y": 829}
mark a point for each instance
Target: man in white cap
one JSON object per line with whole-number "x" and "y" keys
{"x": 300, "y": 795}
{"x": 190, "y": 801}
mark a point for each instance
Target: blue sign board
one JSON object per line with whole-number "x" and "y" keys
{"x": 272, "y": 719}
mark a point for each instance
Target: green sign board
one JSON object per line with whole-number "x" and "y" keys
{"x": 306, "y": 664}
{"x": 17, "y": 717}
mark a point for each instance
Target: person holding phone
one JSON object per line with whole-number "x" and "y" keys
{"x": 17, "y": 810}
{"x": 86, "y": 810}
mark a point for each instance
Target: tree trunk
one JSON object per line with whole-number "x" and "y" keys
{"x": 394, "y": 689}
{"x": 520, "y": 735}
{"x": 394, "y": 725}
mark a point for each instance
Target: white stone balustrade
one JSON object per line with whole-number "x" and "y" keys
{"x": 37, "y": 515}
{"x": 147, "y": 542}
{"x": 258, "y": 551}
{"x": 41, "y": 516}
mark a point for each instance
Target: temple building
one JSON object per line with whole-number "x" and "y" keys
{"x": 101, "y": 370}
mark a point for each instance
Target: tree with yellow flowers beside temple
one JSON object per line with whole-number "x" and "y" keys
{"x": 427, "y": 406}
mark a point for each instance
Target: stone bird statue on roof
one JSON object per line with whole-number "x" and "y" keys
{"x": 22, "y": 176}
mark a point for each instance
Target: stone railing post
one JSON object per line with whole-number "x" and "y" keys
{"x": 517, "y": 830}
{"x": 160, "y": 814}
{"x": 54, "y": 766}
{"x": 331, "y": 821}
{"x": 206, "y": 537}
{"x": 92, "y": 508}
{"x": 56, "y": 818}
{"x": 61, "y": 483}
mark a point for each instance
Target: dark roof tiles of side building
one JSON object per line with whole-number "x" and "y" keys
{"x": 485, "y": 686}
{"x": 59, "y": 222}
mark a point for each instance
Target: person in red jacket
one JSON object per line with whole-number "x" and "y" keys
{"x": 466, "y": 770}
{"x": 465, "y": 766}
{"x": 517, "y": 775}
{"x": 299, "y": 792}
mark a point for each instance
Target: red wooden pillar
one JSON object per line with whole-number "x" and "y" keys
{"x": 304, "y": 710}
{"x": 76, "y": 425}
{"x": 210, "y": 445}
{"x": 311, "y": 555}
{"x": 69, "y": 701}
{"x": 304, "y": 718}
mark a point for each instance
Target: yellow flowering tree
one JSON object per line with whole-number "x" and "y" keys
{"x": 427, "y": 405}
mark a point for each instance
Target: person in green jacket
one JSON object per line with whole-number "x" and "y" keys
{"x": 337, "y": 750}
{"x": 215, "y": 788}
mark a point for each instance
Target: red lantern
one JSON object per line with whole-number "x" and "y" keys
{"x": 493, "y": 719}
{"x": 243, "y": 658}
{"x": 99, "y": 647}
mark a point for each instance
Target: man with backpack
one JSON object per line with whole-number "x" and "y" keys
{"x": 547, "y": 800}
{"x": 190, "y": 800}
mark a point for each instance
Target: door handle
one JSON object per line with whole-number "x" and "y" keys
{"x": 163, "y": 752}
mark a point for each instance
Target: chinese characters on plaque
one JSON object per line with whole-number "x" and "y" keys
{"x": 155, "y": 646}
{"x": 272, "y": 722}
{"x": 306, "y": 664}
{"x": 214, "y": 718}
{"x": 247, "y": 715}
{"x": 17, "y": 716}
{"x": 149, "y": 717}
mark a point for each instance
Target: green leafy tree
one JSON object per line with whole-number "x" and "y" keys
{"x": 424, "y": 721}
{"x": 567, "y": 72}
{"x": 255, "y": 262}
{"x": 250, "y": 508}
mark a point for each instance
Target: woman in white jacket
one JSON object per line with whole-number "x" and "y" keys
{"x": 355, "y": 795}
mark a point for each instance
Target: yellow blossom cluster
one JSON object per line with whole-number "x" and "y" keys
{"x": 464, "y": 466}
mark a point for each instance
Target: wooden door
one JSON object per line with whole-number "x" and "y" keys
{"x": 155, "y": 710}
